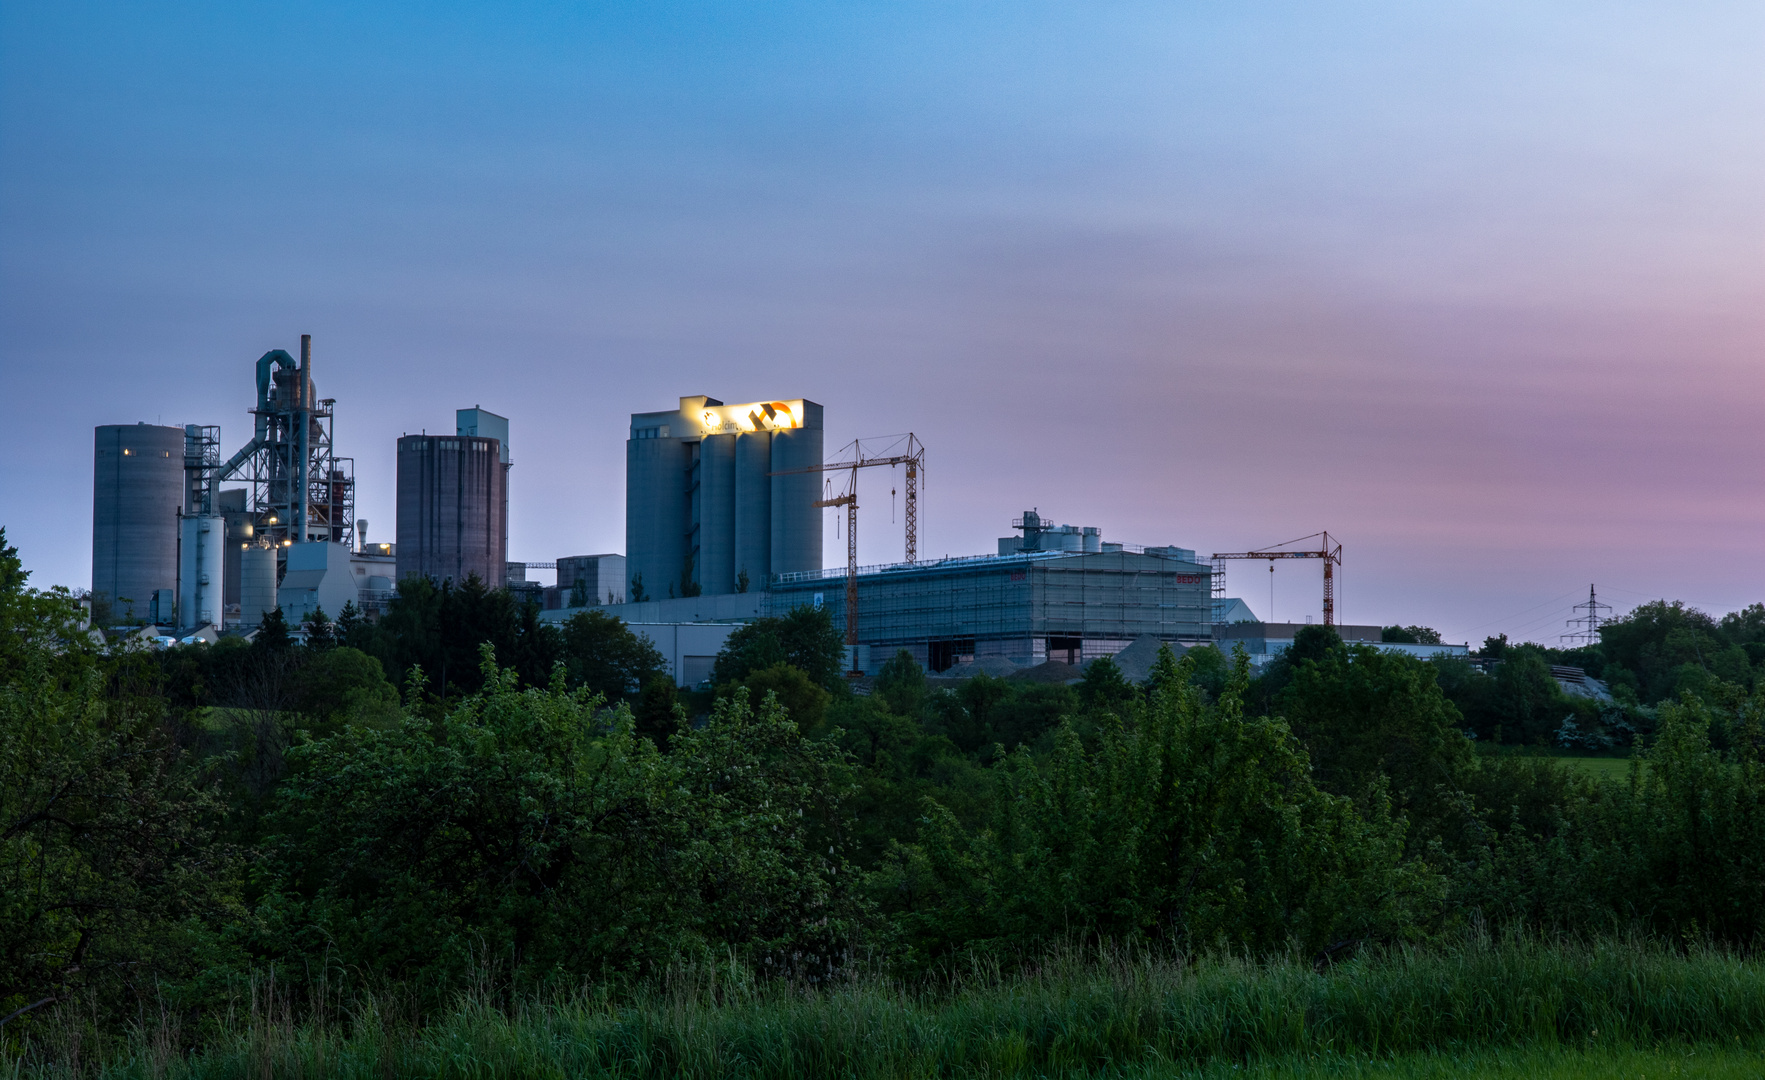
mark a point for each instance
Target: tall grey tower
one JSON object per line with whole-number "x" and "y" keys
{"x": 453, "y": 501}
{"x": 137, "y": 493}
{"x": 703, "y": 508}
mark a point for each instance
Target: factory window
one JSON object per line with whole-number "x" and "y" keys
{"x": 646, "y": 433}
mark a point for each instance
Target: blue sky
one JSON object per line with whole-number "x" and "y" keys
{"x": 1476, "y": 287}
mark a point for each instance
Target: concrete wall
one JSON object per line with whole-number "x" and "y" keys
{"x": 752, "y": 501}
{"x": 1012, "y": 606}
{"x": 723, "y": 607}
{"x": 689, "y": 648}
{"x": 716, "y": 558}
{"x": 655, "y": 512}
{"x": 796, "y": 521}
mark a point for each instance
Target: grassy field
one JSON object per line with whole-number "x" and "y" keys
{"x": 1703, "y": 1063}
{"x": 1614, "y": 767}
{"x": 1479, "y": 1009}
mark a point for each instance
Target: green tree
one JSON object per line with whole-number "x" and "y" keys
{"x": 802, "y": 700}
{"x": 1376, "y": 724}
{"x": 1413, "y": 635}
{"x": 108, "y": 880}
{"x": 803, "y": 638}
{"x": 1193, "y": 824}
{"x": 272, "y": 633}
{"x": 657, "y": 714}
{"x": 901, "y": 684}
{"x": 1104, "y": 686}
{"x": 603, "y": 654}
{"x": 579, "y": 592}
{"x": 353, "y": 627}
{"x": 532, "y": 826}
{"x": 343, "y": 686}
{"x": 321, "y": 633}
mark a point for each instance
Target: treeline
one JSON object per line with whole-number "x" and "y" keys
{"x": 173, "y": 824}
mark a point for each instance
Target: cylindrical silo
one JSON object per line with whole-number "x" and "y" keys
{"x": 257, "y": 584}
{"x": 201, "y": 570}
{"x": 655, "y": 512}
{"x": 240, "y": 531}
{"x": 716, "y": 563}
{"x": 753, "y": 508}
{"x": 1093, "y": 538}
{"x": 796, "y": 522}
{"x": 137, "y": 491}
{"x": 452, "y": 513}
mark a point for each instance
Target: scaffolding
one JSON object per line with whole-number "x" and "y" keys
{"x": 202, "y": 466}
{"x": 1027, "y": 607}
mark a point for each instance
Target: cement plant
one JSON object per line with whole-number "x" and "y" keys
{"x": 724, "y": 524}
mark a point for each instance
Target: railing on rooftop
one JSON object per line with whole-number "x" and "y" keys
{"x": 838, "y": 573}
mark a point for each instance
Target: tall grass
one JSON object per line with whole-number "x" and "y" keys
{"x": 1074, "y": 1013}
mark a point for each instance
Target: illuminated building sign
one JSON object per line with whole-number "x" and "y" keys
{"x": 755, "y": 416}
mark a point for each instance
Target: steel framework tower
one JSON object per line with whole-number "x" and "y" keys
{"x": 300, "y": 490}
{"x": 1585, "y": 629}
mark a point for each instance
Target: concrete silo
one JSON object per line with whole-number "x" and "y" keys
{"x": 702, "y": 506}
{"x": 257, "y": 583}
{"x": 452, "y": 508}
{"x": 796, "y": 521}
{"x": 137, "y": 492}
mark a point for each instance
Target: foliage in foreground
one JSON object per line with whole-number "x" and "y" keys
{"x": 1073, "y": 1014}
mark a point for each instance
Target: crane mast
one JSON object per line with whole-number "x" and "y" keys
{"x": 905, "y": 450}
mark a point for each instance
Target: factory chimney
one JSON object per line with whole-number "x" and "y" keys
{"x": 302, "y": 430}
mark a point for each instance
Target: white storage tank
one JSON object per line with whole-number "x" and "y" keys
{"x": 257, "y": 584}
{"x": 201, "y": 569}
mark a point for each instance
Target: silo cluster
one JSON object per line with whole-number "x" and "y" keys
{"x": 715, "y": 499}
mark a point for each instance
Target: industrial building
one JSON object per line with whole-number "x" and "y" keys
{"x": 597, "y": 579}
{"x": 200, "y": 555}
{"x": 1039, "y": 600}
{"x": 453, "y": 501}
{"x": 716, "y": 499}
{"x": 723, "y": 526}
{"x": 1054, "y": 593}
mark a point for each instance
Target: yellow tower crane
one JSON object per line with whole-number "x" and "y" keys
{"x": 905, "y": 450}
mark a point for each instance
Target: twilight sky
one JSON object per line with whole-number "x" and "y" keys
{"x": 1478, "y": 287}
